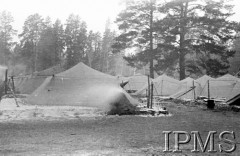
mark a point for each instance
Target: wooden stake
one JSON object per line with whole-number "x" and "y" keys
{"x": 151, "y": 95}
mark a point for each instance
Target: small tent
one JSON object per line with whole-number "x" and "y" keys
{"x": 189, "y": 89}
{"x": 136, "y": 82}
{"x": 81, "y": 86}
{"x": 234, "y": 96}
{"x": 162, "y": 86}
{"x": 204, "y": 80}
{"x": 218, "y": 88}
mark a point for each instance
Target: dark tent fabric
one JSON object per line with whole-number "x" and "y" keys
{"x": 29, "y": 83}
{"x": 234, "y": 101}
{"x": 80, "y": 86}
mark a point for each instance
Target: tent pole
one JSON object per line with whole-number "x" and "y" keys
{"x": 194, "y": 93}
{"x": 151, "y": 95}
{"x": 148, "y": 99}
{"x": 162, "y": 87}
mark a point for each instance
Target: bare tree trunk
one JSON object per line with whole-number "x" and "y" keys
{"x": 151, "y": 41}
{"x": 182, "y": 40}
{"x": 36, "y": 57}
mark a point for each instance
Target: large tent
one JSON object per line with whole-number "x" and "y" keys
{"x": 80, "y": 86}
{"x": 189, "y": 89}
{"x": 29, "y": 83}
{"x": 162, "y": 86}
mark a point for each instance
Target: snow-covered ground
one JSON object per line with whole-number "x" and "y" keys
{"x": 9, "y": 111}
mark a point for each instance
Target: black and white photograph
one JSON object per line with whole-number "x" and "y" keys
{"x": 119, "y": 78}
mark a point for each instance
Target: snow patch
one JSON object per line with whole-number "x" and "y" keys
{"x": 10, "y": 112}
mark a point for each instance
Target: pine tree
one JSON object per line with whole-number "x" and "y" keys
{"x": 30, "y": 37}
{"x": 198, "y": 33}
{"x": 136, "y": 24}
{"x": 76, "y": 40}
{"x": 6, "y": 36}
{"x": 59, "y": 42}
{"x": 95, "y": 44}
{"x": 106, "y": 55}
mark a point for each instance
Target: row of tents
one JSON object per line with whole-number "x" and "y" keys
{"x": 80, "y": 83}
{"x": 224, "y": 88}
{"x": 77, "y": 86}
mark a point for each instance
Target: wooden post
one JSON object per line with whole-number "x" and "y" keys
{"x": 194, "y": 93}
{"x": 151, "y": 95}
{"x": 6, "y": 81}
{"x": 208, "y": 90}
{"x": 148, "y": 98}
{"x": 13, "y": 85}
{"x": 162, "y": 88}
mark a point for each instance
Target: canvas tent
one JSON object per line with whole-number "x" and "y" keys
{"x": 203, "y": 80}
{"x": 29, "y": 83}
{"x": 234, "y": 101}
{"x": 162, "y": 86}
{"x": 219, "y": 88}
{"x": 80, "y": 86}
{"x": 234, "y": 96}
{"x": 50, "y": 71}
{"x": 136, "y": 82}
{"x": 228, "y": 77}
{"x": 189, "y": 89}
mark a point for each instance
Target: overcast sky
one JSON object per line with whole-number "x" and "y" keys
{"x": 94, "y": 12}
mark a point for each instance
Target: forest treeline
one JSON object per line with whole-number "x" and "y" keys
{"x": 44, "y": 43}
{"x": 188, "y": 37}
